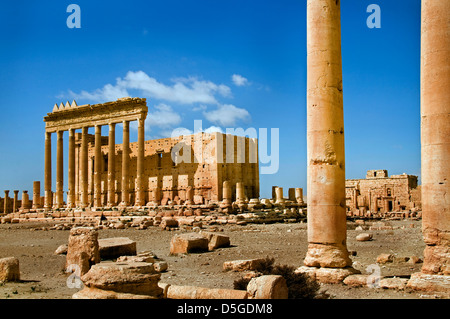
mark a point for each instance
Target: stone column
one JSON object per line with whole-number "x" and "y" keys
{"x": 25, "y": 200}
{"x": 435, "y": 135}
{"x": 140, "y": 195}
{"x": 6, "y": 203}
{"x": 59, "y": 170}
{"x": 299, "y": 196}
{"x": 327, "y": 231}
{"x": 125, "y": 163}
{"x": 189, "y": 196}
{"x": 71, "y": 170}
{"x": 98, "y": 167}
{"x": 36, "y": 195}
{"x": 240, "y": 193}
{"x": 279, "y": 195}
{"x": 226, "y": 193}
{"x": 112, "y": 165}
{"x": 47, "y": 173}
{"x": 84, "y": 168}
{"x": 16, "y": 201}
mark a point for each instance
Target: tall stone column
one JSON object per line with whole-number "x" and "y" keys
{"x": 125, "y": 163}
{"x": 47, "y": 173}
{"x": 16, "y": 201}
{"x": 6, "y": 203}
{"x": 325, "y": 138}
{"x": 25, "y": 200}
{"x": 71, "y": 170}
{"x": 435, "y": 145}
{"x": 189, "y": 196}
{"x": 279, "y": 195}
{"x": 59, "y": 170}
{"x": 112, "y": 165}
{"x": 140, "y": 195}
{"x": 84, "y": 168}
{"x": 299, "y": 195}
{"x": 36, "y": 195}
{"x": 98, "y": 167}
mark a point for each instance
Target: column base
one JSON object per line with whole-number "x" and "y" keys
{"x": 327, "y": 275}
{"x": 429, "y": 283}
{"x": 327, "y": 256}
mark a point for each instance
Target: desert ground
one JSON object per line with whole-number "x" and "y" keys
{"x": 43, "y": 276}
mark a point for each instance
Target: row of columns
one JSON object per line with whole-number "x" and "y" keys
{"x": 84, "y": 199}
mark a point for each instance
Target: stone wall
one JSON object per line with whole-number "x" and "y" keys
{"x": 379, "y": 193}
{"x": 164, "y": 180}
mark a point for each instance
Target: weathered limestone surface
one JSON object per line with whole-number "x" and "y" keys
{"x": 242, "y": 265}
{"x": 9, "y": 269}
{"x": 192, "y": 292}
{"x": 188, "y": 243}
{"x": 83, "y": 248}
{"x": 216, "y": 240}
{"x": 325, "y": 138}
{"x": 111, "y": 248}
{"x": 137, "y": 278}
{"x": 435, "y": 135}
{"x": 328, "y": 275}
{"x": 267, "y": 287}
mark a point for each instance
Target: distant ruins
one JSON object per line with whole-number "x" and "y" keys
{"x": 379, "y": 194}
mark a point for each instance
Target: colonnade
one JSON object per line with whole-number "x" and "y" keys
{"x": 83, "y": 166}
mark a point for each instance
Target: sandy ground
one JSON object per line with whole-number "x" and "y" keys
{"x": 43, "y": 277}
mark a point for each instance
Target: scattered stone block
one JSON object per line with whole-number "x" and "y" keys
{"x": 429, "y": 283}
{"x": 267, "y": 287}
{"x": 61, "y": 250}
{"x": 356, "y": 280}
{"x": 242, "y": 265}
{"x": 216, "y": 240}
{"x": 328, "y": 275}
{"x": 160, "y": 266}
{"x": 364, "y": 237}
{"x": 112, "y": 248}
{"x": 385, "y": 258}
{"x": 168, "y": 222}
{"x": 192, "y": 292}
{"x": 188, "y": 243}
{"x": 146, "y": 256}
{"x": 83, "y": 248}
{"x": 414, "y": 260}
{"x": 9, "y": 269}
{"x": 136, "y": 278}
{"x": 393, "y": 283}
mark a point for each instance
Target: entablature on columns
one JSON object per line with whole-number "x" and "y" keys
{"x": 72, "y": 116}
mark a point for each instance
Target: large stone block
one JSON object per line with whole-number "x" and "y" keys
{"x": 216, "y": 240}
{"x": 111, "y": 248}
{"x": 83, "y": 248}
{"x": 137, "y": 278}
{"x": 267, "y": 287}
{"x": 188, "y": 243}
{"x": 9, "y": 269}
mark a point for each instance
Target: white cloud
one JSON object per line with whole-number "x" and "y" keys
{"x": 239, "y": 80}
{"x": 184, "y": 90}
{"x": 227, "y": 115}
{"x": 163, "y": 117}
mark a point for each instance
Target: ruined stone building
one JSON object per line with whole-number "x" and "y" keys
{"x": 165, "y": 178}
{"x": 380, "y": 193}
{"x": 102, "y": 173}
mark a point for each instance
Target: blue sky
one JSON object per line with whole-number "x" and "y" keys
{"x": 182, "y": 55}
